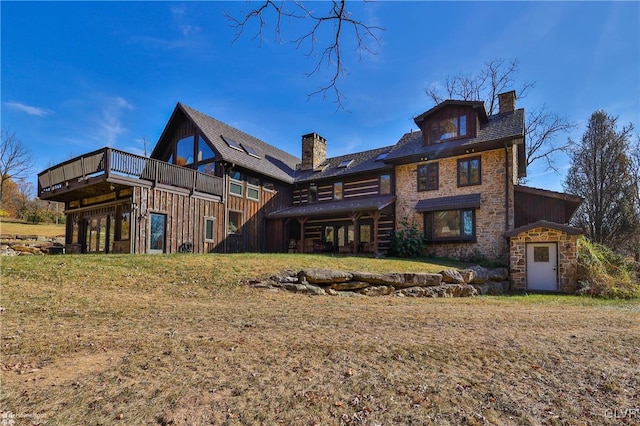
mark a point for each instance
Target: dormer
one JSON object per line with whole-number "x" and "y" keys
{"x": 451, "y": 120}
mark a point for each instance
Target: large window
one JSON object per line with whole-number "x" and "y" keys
{"x": 253, "y": 188}
{"x": 448, "y": 128}
{"x": 450, "y": 225}
{"x": 469, "y": 172}
{"x": 428, "y": 177}
{"x": 312, "y": 197}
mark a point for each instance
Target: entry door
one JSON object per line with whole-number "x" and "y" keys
{"x": 542, "y": 266}
{"x": 157, "y": 233}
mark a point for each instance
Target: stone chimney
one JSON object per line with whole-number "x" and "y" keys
{"x": 507, "y": 102}
{"x": 314, "y": 151}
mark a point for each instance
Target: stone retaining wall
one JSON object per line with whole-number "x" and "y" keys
{"x": 28, "y": 245}
{"x": 473, "y": 281}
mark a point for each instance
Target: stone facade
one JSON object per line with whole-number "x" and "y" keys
{"x": 567, "y": 255}
{"x": 314, "y": 151}
{"x": 491, "y": 217}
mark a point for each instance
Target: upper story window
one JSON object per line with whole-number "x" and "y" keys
{"x": 428, "y": 176}
{"x": 184, "y": 151}
{"x": 385, "y": 184}
{"x": 469, "y": 171}
{"x": 312, "y": 197}
{"x": 337, "y": 191}
{"x": 253, "y": 188}
{"x": 448, "y": 128}
{"x": 235, "y": 182}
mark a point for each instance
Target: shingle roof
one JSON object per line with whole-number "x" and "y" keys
{"x": 364, "y": 161}
{"x": 500, "y": 127}
{"x": 336, "y": 207}
{"x": 466, "y": 201}
{"x": 272, "y": 161}
{"x": 545, "y": 224}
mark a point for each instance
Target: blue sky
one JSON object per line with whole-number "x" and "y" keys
{"x": 78, "y": 76}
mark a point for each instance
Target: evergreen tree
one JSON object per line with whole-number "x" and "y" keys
{"x": 601, "y": 172}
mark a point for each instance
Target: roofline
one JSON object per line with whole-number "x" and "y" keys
{"x": 571, "y": 230}
{"x": 448, "y": 102}
{"x": 548, "y": 193}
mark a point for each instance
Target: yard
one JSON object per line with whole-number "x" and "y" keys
{"x": 176, "y": 340}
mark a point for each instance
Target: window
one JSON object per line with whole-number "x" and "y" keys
{"x": 448, "y": 225}
{"x": 448, "y": 128}
{"x": 207, "y": 168}
{"x": 269, "y": 186}
{"x": 252, "y": 152}
{"x": 365, "y": 233}
{"x": 469, "y": 172}
{"x": 204, "y": 150}
{"x": 235, "y": 222}
{"x": 232, "y": 144}
{"x": 125, "y": 225}
{"x": 209, "y": 228}
{"x": 157, "y": 234}
{"x": 385, "y": 184}
{"x": 382, "y": 156}
{"x": 235, "y": 182}
{"x": 428, "y": 177}
{"x": 312, "y": 197}
{"x": 337, "y": 191}
{"x": 253, "y": 188}
{"x": 184, "y": 151}
{"x": 345, "y": 163}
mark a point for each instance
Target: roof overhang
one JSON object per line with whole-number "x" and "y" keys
{"x": 570, "y": 230}
{"x": 467, "y": 201}
{"x": 335, "y": 207}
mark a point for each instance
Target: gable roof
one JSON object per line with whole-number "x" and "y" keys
{"x": 500, "y": 128}
{"x": 570, "y": 230}
{"x": 358, "y": 162}
{"x": 253, "y": 154}
{"x": 478, "y": 105}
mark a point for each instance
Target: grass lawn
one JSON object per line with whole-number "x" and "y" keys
{"x": 41, "y": 229}
{"x": 123, "y": 339}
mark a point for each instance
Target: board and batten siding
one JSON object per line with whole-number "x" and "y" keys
{"x": 185, "y": 219}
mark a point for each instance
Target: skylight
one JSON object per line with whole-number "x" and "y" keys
{"x": 233, "y": 144}
{"x": 345, "y": 163}
{"x": 382, "y": 156}
{"x": 252, "y": 152}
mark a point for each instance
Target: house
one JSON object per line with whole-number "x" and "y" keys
{"x": 209, "y": 187}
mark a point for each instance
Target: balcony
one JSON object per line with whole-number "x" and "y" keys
{"x": 104, "y": 170}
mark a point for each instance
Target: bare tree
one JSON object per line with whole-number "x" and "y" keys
{"x": 15, "y": 159}
{"x": 338, "y": 18}
{"x": 497, "y": 76}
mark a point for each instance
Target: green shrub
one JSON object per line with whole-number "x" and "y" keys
{"x": 407, "y": 242}
{"x": 604, "y": 273}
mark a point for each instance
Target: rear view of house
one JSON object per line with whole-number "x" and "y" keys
{"x": 209, "y": 187}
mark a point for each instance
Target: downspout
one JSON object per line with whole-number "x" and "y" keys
{"x": 506, "y": 187}
{"x": 225, "y": 225}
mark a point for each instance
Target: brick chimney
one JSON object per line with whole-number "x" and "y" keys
{"x": 314, "y": 151}
{"x": 507, "y": 102}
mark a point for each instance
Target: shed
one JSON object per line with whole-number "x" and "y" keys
{"x": 544, "y": 257}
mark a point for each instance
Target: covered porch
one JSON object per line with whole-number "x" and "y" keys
{"x": 344, "y": 227}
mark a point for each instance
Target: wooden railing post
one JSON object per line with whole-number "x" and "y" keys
{"x": 107, "y": 162}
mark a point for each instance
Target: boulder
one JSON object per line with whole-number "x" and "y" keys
{"x": 324, "y": 276}
{"x": 379, "y": 290}
{"x": 499, "y": 274}
{"x": 421, "y": 279}
{"x": 25, "y": 249}
{"x": 378, "y": 279}
{"x": 349, "y": 286}
{"x": 478, "y": 274}
{"x": 494, "y": 287}
{"x": 461, "y": 290}
{"x": 314, "y": 290}
{"x": 451, "y": 276}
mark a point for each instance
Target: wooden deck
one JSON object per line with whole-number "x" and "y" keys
{"x": 95, "y": 172}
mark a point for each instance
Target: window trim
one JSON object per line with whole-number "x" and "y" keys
{"x": 315, "y": 200}
{"x": 428, "y": 167}
{"x": 436, "y": 121}
{"x": 240, "y": 224}
{"x": 468, "y": 160}
{"x": 341, "y": 192}
{"x": 380, "y": 184}
{"x": 429, "y": 227}
{"x": 212, "y": 220}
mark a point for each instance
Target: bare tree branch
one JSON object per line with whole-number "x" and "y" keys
{"x": 340, "y": 21}
{"x": 541, "y": 126}
{"x": 15, "y": 159}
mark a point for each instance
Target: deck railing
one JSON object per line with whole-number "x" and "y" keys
{"x": 112, "y": 162}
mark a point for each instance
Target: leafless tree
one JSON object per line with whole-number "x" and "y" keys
{"x": 15, "y": 159}
{"x": 338, "y": 18}
{"x": 497, "y": 76}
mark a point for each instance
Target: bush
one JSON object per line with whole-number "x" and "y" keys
{"x": 604, "y": 273}
{"x": 407, "y": 242}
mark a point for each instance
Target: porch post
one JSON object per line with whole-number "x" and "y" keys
{"x": 376, "y": 219}
{"x": 302, "y": 221}
{"x": 356, "y": 232}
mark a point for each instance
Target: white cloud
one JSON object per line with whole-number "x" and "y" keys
{"x": 110, "y": 121}
{"x": 31, "y": 110}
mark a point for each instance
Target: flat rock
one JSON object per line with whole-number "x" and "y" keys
{"x": 350, "y": 286}
{"x": 478, "y": 274}
{"x": 420, "y": 279}
{"x": 378, "y": 290}
{"x": 379, "y": 279}
{"x": 324, "y": 276}
{"x": 451, "y": 276}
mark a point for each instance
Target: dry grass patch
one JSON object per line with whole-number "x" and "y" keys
{"x": 41, "y": 229}
{"x": 174, "y": 340}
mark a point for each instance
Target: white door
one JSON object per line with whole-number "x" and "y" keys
{"x": 542, "y": 266}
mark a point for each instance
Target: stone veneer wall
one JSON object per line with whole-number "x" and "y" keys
{"x": 567, "y": 257}
{"x": 490, "y": 218}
